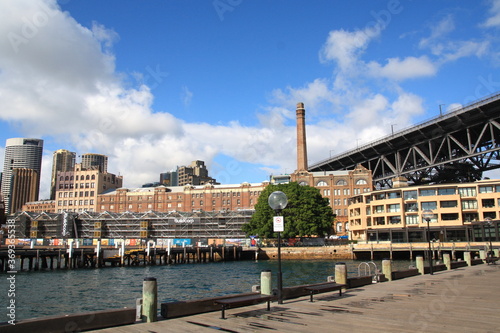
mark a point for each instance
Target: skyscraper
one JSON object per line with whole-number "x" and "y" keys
{"x": 63, "y": 160}
{"x": 92, "y": 161}
{"x": 20, "y": 153}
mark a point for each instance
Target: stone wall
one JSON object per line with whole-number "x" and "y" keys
{"x": 320, "y": 252}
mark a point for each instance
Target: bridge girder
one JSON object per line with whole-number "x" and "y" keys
{"x": 469, "y": 136}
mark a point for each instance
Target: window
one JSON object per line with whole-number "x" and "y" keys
{"x": 426, "y": 193}
{"x": 361, "y": 182}
{"x": 410, "y": 195}
{"x": 448, "y": 204}
{"x": 393, "y": 195}
{"x": 449, "y": 217}
{"x": 341, "y": 183}
{"x": 488, "y": 203}
{"x": 485, "y": 189}
{"x": 467, "y": 191}
{"x": 411, "y": 207}
{"x": 346, "y": 227}
{"x": 393, "y": 208}
{"x": 412, "y": 219}
{"x": 321, "y": 183}
{"x": 469, "y": 204}
{"x": 347, "y": 191}
{"x": 395, "y": 219}
{"x": 431, "y": 205}
{"x": 378, "y": 209}
{"x": 339, "y": 226}
{"x": 446, "y": 191}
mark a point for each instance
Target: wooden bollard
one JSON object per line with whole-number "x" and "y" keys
{"x": 468, "y": 258}
{"x": 387, "y": 269}
{"x": 447, "y": 260}
{"x": 340, "y": 273}
{"x": 420, "y": 264}
{"x": 266, "y": 282}
{"x": 149, "y": 300}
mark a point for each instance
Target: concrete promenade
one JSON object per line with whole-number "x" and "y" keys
{"x": 460, "y": 300}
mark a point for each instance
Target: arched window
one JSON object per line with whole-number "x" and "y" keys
{"x": 303, "y": 183}
{"x": 93, "y": 177}
{"x": 361, "y": 182}
{"x": 67, "y": 178}
{"x": 321, "y": 183}
{"x": 347, "y": 226}
{"x": 339, "y": 226}
{"x": 341, "y": 183}
{"x": 87, "y": 178}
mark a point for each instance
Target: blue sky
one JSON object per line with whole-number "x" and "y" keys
{"x": 159, "y": 83}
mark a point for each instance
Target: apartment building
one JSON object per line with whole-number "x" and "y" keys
{"x": 77, "y": 190}
{"x": 460, "y": 212}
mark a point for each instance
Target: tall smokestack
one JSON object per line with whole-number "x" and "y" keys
{"x": 301, "y": 138}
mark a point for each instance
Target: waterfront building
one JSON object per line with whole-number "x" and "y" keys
{"x": 461, "y": 212}
{"x": 77, "y": 190}
{"x": 189, "y": 198}
{"x": 93, "y": 161}
{"x": 62, "y": 160}
{"x": 20, "y": 153}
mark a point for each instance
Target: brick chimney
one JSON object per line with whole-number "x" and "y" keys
{"x": 301, "y": 138}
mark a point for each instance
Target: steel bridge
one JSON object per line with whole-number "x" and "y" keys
{"x": 462, "y": 143}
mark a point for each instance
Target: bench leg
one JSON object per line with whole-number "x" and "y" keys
{"x": 268, "y": 305}
{"x": 340, "y": 292}
{"x": 311, "y": 297}
{"x": 223, "y": 312}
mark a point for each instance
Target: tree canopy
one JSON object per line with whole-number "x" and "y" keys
{"x": 307, "y": 213}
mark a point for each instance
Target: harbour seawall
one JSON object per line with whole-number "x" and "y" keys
{"x": 339, "y": 252}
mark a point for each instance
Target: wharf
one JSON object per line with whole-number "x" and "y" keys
{"x": 459, "y": 300}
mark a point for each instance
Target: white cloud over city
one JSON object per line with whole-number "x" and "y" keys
{"x": 58, "y": 80}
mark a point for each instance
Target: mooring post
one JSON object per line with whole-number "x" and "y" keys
{"x": 447, "y": 260}
{"x": 420, "y": 264}
{"x": 98, "y": 253}
{"x": 266, "y": 282}
{"x": 468, "y": 258}
{"x": 387, "y": 269}
{"x": 341, "y": 273}
{"x": 149, "y": 300}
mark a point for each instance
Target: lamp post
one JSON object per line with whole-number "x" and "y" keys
{"x": 427, "y": 215}
{"x": 489, "y": 222}
{"x": 278, "y": 201}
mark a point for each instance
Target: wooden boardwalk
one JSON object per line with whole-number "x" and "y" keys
{"x": 461, "y": 300}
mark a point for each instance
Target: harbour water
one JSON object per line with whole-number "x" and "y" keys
{"x": 59, "y": 292}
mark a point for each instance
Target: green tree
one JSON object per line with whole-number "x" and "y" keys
{"x": 307, "y": 213}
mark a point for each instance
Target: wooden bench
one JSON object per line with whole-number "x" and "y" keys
{"x": 491, "y": 260}
{"x": 243, "y": 301}
{"x": 323, "y": 288}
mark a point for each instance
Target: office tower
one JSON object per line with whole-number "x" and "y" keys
{"x": 62, "y": 160}
{"x": 169, "y": 178}
{"x": 20, "y": 153}
{"x": 92, "y": 161}
{"x": 24, "y": 188}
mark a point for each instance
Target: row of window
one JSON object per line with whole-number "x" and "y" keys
{"x": 342, "y": 182}
{"x": 82, "y": 177}
{"x": 76, "y": 194}
{"x": 139, "y": 206}
{"x": 417, "y": 219}
{"x": 433, "y": 205}
{"x": 414, "y": 194}
{"x": 75, "y": 202}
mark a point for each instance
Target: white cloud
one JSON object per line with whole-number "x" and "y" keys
{"x": 408, "y": 68}
{"x": 494, "y": 19}
{"x": 186, "y": 96}
{"x": 344, "y": 47}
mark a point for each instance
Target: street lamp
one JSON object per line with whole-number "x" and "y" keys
{"x": 489, "y": 222}
{"x": 428, "y": 215}
{"x": 278, "y": 201}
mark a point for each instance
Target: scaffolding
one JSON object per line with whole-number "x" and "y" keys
{"x": 149, "y": 225}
